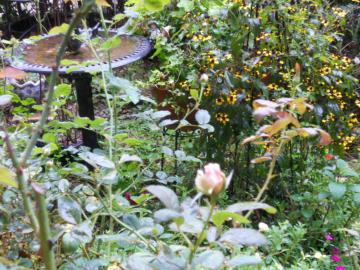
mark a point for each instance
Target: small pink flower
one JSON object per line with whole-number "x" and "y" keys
{"x": 211, "y": 180}
{"x": 335, "y": 251}
{"x": 329, "y": 237}
{"x": 335, "y": 258}
{"x": 340, "y": 267}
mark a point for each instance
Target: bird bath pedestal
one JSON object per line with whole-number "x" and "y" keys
{"x": 39, "y": 57}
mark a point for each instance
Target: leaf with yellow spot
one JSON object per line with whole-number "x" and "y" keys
{"x": 7, "y": 178}
{"x": 278, "y": 126}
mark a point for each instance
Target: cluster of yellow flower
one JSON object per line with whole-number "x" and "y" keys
{"x": 201, "y": 37}
{"x": 332, "y": 93}
{"x": 185, "y": 85}
{"x": 339, "y": 12}
{"x": 222, "y": 118}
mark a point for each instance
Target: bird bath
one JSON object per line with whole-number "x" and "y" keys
{"x": 39, "y": 57}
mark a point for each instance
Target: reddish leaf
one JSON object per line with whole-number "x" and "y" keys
{"x": 325, "y": 138}
{"x": 249, "y": 139}
{"x": 13, "y": 73}
{"x": 305, "y": 132}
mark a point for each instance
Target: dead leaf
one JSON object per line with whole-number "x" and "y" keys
{"x": 102, "y": 3}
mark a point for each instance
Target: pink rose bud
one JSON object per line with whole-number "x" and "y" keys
{"x": 211, "y": 181}
{"x": 335, "y": 258}
{"x": 340, "y": 267}
{"x": 329, "y": 237}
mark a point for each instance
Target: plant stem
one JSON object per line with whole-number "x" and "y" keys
{"x": 45, "y": 235}
{"x": 201, "y": 236}
{"x": 29, "y": 210}
{"x": 269, "y": 176}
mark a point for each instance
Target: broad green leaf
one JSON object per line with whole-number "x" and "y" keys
{"x": 62, "y": 29}
{"x": 69, "y": 210}
{"x": 62, "y": 90}
{"x": 337, "y": 190}
{"x": 209, "y": 259}
{"x": 126, "y": 87}
{"x": 69, "y": 243}
{"x": 7, "y": 178}
{"x": 155, "y": 5}
{"x": 244, "y": 237}
{"x": 221, "y": 216}
{"x": 242, "y": 260}
{"x": 140, "y": 261}
{"x": 194, "y": 93}
{"x": 165, "y": 195}
{"x": 247, "y": 206}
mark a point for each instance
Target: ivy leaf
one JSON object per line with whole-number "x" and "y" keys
{"x": 7, "y": 178}
{"x": 165, "y": 195}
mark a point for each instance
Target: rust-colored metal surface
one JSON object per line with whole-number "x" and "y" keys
{"x": 44, "y": 51}
{"x": 39, "y": 57}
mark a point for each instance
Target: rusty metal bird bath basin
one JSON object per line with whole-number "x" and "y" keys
{"x": 39, "y": 57}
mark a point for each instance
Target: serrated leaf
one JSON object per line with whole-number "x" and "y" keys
{"x": 7, "y": 178}
{"x": 221, "y": 216}
{"x": 250, "y": 206}
{"x": 165, "y": 195}
{"x": 244, "y": 237}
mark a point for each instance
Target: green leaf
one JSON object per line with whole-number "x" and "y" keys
{"x": 62, "y": 90}
{"x": 49, "y": 138}
{"x": 164, "y": 215}
{"x": 356, "y": 188}
{"x": 155, "y": 5}
{"x": 221, "y": 216}
{"x": 69, "y": 243}
{"x": 140, "y": 261}
{"x": 357, "y": 198}
{"x": 125, "y": 86}
{"x": 165, "y": 195}
{"x": 62, "y": 29}
{"x": 7, "y": 178}
{"x": 111, "y": 43}
{"x": 247, "y": 206}
{"x": 345, "y": 169}
{"x": 209, "y": 259}
{"x": 194, "y": 93}
{"x": 242, "y": 260}
{"x": 69, "y": 210}
{"x": 337, "y": 190}
{"x": 244, "y": 237}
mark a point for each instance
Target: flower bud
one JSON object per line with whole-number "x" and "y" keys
{"x": 263, "y": 227}
{"x": 211, "y": 181}
{"x": 204, "y": 77}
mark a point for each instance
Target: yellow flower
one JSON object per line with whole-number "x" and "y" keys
{"x": 219, "y": 101}
{"x": 222, "y": 118}
{"x": 231, "y": 99}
